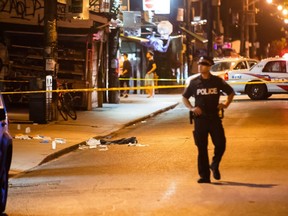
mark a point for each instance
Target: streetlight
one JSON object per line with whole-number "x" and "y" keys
{"x": 280, "y": 7}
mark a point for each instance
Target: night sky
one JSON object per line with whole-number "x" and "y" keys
{"x": 268, "y": 28}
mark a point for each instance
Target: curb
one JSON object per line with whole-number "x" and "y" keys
{"x": 75, "y": 147}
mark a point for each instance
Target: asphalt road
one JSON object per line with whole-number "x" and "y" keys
{"x": 159, "y": 176}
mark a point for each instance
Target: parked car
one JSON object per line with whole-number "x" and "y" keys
{"x": 5, "y": 155}
{"x": 226, "y": 64}
{"x": 222, "y": 65}
{"x": 269, "y": 76}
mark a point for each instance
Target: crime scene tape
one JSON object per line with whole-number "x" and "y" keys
{"x": 232, "y": 82}
{"x": 94, "y": 89}
{"x": 151, "y": 79}
{"x": 130, "y": 88}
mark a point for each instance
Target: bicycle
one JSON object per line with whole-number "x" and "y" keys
{"x": 66, "y": 103}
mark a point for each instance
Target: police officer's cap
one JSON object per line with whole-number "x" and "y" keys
{"x": 206, "y": 60}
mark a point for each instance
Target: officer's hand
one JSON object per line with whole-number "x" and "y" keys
{"x": 197, "y": 111}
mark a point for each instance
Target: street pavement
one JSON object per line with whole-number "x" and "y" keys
{"x": 32, "y": 143}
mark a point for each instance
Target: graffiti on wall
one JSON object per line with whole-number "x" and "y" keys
{"x": 25, "y": 10}
{"x": 31, "y": 12}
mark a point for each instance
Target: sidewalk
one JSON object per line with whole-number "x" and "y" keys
{"x": 96, "y": 123}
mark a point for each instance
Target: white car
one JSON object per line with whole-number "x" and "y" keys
{"x": 227, "y": 64}
{"x": 269, "y": 76}
{"x": 222, "y": 65}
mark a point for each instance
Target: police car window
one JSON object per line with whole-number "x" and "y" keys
{"x": 215, "y": 67}
{"x": 226, "y": 66}
{"x": 240, "y": 65}
{"x": 283, "y": 66}
{"x": 275, "y": 67}
{"x": 252, "y": 63}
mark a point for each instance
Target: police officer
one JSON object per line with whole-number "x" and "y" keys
{"x": 206, "y": 89}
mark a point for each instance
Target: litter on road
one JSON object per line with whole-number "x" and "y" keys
{"x": 101, "y": 144}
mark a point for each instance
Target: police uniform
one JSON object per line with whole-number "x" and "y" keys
{"x": 207, "y": 93}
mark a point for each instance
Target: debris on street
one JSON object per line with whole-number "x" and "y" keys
{"x": 42, "y": 139}
{"x": 101, "y": 144}
{"x": 92, "y": 143}
{"x": 22, "y": 137}
{"x": 130, "y": 140}
{"x": 137, "y": 144}
{"x": 60, "y": 140}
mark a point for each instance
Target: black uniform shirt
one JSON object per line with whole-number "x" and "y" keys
{"x": 207, "y": 93}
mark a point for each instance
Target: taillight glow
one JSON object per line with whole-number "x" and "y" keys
{"x": 285, "y": 56}
{"x": 226, "y": 77}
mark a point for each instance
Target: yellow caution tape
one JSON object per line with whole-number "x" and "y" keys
{"x": 128, "y": 88}
{"x": 93, "y": 89}
{"x": 151, "y": 79}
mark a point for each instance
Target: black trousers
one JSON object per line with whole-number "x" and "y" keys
{"x": 124, "y": 83}
{"x": 204, "y": 127}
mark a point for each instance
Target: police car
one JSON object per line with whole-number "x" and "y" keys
{"x": 222, "y": 65}
{"x": 226, "y": 64}
{"x": 269, "y": 76}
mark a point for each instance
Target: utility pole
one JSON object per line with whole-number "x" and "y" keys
{"x": 210, "y": 27}
{"x": 247, "y": 39}
{"x": 50, "y": 53}
{"x": 248, "y": 19}
{"x": 50, "y": 36}
{"x": 243, "y": 25}
{"x": 40, "y": 104}
{"x": 253, "y": 31}
{"x": 188, "y": 17}
{"x": 113, "y": 96}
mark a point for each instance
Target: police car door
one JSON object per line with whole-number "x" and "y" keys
{"x": 276, "y": 71}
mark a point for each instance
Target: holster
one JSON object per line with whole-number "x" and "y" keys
{"x": 191, "y": 117}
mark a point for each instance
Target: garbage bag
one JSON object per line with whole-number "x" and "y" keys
{"x": 129, "y": 140}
